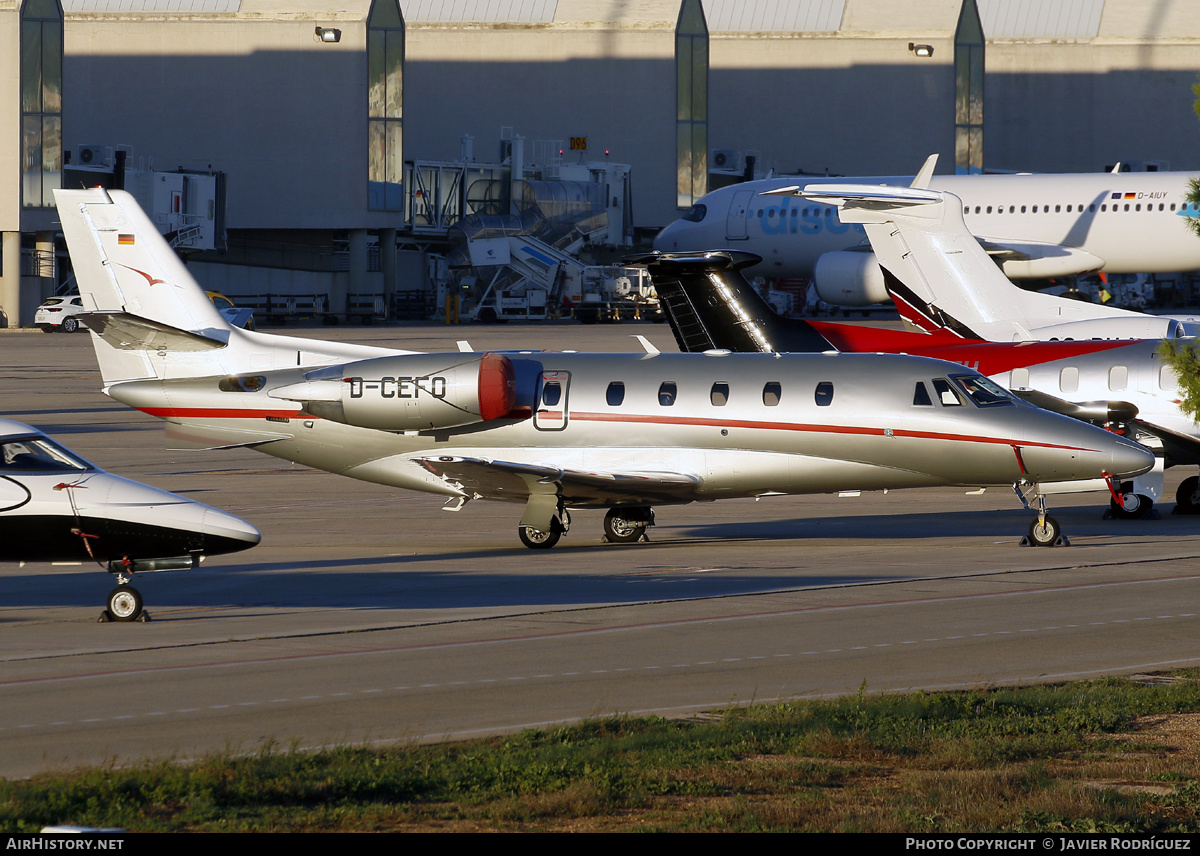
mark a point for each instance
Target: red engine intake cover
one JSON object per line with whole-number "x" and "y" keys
{"x": 497, "y": 386}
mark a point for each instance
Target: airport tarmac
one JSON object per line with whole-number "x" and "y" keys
{"x": 368, "y": 615}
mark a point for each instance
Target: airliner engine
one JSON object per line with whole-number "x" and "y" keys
{"x": 850, "y": 278}
{"x": 412, "y": 392}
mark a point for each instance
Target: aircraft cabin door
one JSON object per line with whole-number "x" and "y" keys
{"x": 735, "y": 221}
{"x": 550, "y": 414}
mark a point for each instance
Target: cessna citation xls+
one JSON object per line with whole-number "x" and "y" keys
{"x": 554, "y": 431}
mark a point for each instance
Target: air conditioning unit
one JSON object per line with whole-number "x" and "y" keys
{"x": 91, "y": 155}
{"x": 725, "y": 160}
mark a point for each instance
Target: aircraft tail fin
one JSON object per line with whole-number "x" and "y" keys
{"x": 925, "y": 175}
{"x": 710, "y": 305}
{"x": 148, "y": 315}
{"x": 123, "y": 263}
{"x": 135, "y": 290}
{"x": 938, "y": 273}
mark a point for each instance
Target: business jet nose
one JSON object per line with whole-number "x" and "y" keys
{"x": 1130, "y": 459}
{"x": 144, "y": 520}
{"x": 225, "y": 533}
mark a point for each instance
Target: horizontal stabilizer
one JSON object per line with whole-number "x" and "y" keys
{"x": 127, "y": 332}
{"x": 870, "y": 195}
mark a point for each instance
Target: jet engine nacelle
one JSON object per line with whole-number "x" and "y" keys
{"x": 847, "y": 278}
{"x": 412, "y": 392}
{"x": 1132, "y": 327}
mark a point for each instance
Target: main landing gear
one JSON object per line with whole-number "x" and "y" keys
{"x": 1187, "y": 497}
{"x": 622, "y": 525}
{"x": 627, "y": 525}
{"x": 1044, "y": 531}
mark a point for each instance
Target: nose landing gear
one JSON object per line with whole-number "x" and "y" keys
{"x": 1044, "y": 531}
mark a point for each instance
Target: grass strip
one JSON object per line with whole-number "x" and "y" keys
{"x": 1113, "y": 755}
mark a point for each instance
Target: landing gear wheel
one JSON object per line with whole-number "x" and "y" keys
{"x": 124, "y": 603}
{"x": 1187, "y": 497}
{"x": 70, "y": 325}
{"x": 536, "y": 539}
{"x": 1044, "y": 534}
{"x": 1131, "y": 506}
{"x": 622, "y": 530}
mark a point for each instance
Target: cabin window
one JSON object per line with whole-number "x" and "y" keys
{"x": 989, "y": 209}
{"x": 1057, "y": 209}
{"x": 551, "y": 394}
{"x": 772, "y": 392}
{"x": 719, "y": 394}
{"x": 824, "y": 393}
{"x": 1068, "y": 379}
{"x": 947, "y": 394}
{"x": 616, "y": 393}
{"x": 921, "y": 396}
{"x": 1167, "y": 379}
{"x": 247, "y": 383}
{"x": 666, "y": 393}
{"x": 1019, "y": 379}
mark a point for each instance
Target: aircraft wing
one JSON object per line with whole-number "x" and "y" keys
{"x": 492, "y": 479}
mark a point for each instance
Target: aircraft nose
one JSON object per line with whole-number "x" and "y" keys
{"x": 228, "y": 533}
{"x": 1130, "y": 459}
{"x": 177, "y": 519}
{"x": 667, "y": 239}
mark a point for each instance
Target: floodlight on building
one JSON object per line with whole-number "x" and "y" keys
{"x": 921, "y": 50}
{"x": 328, "y": 34}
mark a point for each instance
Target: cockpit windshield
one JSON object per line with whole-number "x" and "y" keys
{"x": 984, "y": 392}
{"x": 38, "y": 455}
{"x": 695, "y": 214}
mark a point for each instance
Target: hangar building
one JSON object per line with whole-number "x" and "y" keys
{"x": 309, "y": 110}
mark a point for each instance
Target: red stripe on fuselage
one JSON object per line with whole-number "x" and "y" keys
{"x": 808, "y": 427}
{"x": 637, "y": 419}
{"x": 218, "y": 413}
{"x": 989, "y": 358}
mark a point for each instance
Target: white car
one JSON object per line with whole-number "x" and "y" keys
{"x": 58, "y": 313}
